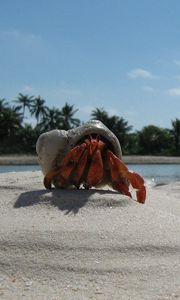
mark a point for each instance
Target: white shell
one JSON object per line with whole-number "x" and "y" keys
{"x": 53, "y": 145}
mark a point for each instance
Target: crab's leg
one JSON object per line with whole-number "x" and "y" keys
{"x": 67, "y": 165}
{"x": 90, "y": 166}
{"x": 95, "y": 172}
{"x": 49, "y": 177}
{"x": 137, "y": 182}
{"x": 70, "y": 162}
{"x": 79, "y": 170}
{"x": 119, "y": 179}
{"x": 123, "y": 187}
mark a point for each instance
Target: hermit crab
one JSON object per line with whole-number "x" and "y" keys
{"x": 87, "y": 156}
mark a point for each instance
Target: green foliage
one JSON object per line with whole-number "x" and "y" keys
{"x": 154, "y": 140}
{"x": 132, "y": 145}
{"x": 19, "y": 137}
{"x": 67, "y": 117}
{"x": 10, "y": 120}
{"x": 24, "y": 102}
{"x": 59, "y": 119}
{"x": 38, "y": 108}
{"x": 117, "y": 125}
{"x": 27, "y": 138}
{"x": 52, "y": 120}
{"x": 176, "y": 136}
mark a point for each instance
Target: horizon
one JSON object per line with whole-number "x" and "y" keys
{"x": 120, "y": 56}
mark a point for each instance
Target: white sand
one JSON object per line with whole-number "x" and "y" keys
{"x": 92, "y": 244}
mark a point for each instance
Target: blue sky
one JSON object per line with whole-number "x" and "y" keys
{"x": 122, "y": 55}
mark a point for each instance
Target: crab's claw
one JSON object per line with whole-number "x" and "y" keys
{"x": 122, "y": 177}
{"x": 137, "y": 183}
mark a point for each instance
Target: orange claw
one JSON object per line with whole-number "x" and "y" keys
{"x": 118, "y": 173}
{"x": 121, "y": 177}
{"x": 137, "y": 183}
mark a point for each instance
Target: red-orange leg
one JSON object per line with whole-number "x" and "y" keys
{"x": 118, "y": 168}
{"x": 69, "y": 163}
{"x": 49, "y": 177}
{"x": 80, "y": 169}
{"x": 118, "y": 174}
{"x": 95, "y": 172}
{"x": 122, "y": 187}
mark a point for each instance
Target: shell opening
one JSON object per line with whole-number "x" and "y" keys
{"x": 98, "y": 136}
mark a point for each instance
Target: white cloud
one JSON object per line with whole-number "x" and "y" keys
{"x": 177, "y": 62}
{"x": 10, "y": 33}
{"x": 68, "y": 92}
{"x": 28, "y": 89}
{"x": 177, "y": 77}
{"x": 140, "y": 73}
{"x": 16, "y": 34}
{"x": 147, "y": 88}
{"x": 174, "y": 91}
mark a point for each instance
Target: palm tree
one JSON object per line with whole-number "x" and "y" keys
{"x": 38, "y": 108}
{"x": 67, "y": 113}
{"x": 120, "y": 127}
{"x": 25, "y": 101}
{"x": 101, "y": 115}
{"x": 117, "y": 125}
{"x": 10, "y": 121}
{"x": 28, "y": 137}
{"x": 52, "y": 120}
{"x": 154, "y": 140}
{"x": 3, "y": 104}
{"x": 176, "y": 135}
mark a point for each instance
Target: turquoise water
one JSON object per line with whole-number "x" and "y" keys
{"x": 155, "y": 174}
{"x": 19, "y": 168}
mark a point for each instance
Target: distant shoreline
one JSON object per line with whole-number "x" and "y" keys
{"x": 16, "y": 159}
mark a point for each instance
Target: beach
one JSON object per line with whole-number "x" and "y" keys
{"x": 20, "y": 159}
{"x": 87, "y": 244}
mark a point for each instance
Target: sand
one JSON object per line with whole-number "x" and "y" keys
{"x": 20, "y": 159}
{"x": 79, "y": 244}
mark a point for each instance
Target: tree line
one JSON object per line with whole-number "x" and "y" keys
{"x": 19, "y": 136}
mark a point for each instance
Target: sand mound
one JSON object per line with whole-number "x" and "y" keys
{"x": 80, "y": 244}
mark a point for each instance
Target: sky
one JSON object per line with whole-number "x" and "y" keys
{"x": 120, "y": 55}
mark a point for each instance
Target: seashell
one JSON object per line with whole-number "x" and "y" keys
{"x": 52, "y": 146}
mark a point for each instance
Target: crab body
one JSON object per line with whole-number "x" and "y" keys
{"x": 92, "y": 159}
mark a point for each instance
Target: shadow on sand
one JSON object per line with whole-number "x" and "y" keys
{"x": 66, "y": 200}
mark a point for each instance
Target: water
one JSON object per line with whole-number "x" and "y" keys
{"x": 19, "y": 168}
{"x": 153, "y": 174}
{"x": 158, "y": 173}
